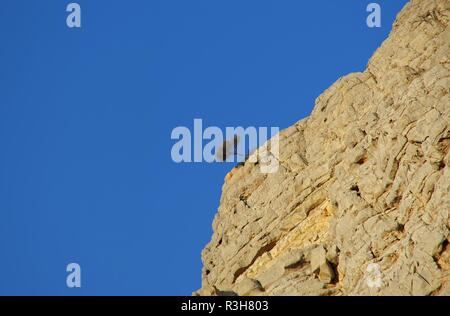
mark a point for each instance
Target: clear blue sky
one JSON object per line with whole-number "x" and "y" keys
{"x": 86, "y": 115}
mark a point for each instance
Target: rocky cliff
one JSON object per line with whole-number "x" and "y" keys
{"x": 360, "y": 204}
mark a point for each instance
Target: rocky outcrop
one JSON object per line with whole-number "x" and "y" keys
{"x": 360, "y": 204}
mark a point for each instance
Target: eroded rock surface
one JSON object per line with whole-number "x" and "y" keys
{"x": 365, "y": 179}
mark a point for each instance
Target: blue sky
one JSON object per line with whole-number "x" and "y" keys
{"x": 86, "y": 116}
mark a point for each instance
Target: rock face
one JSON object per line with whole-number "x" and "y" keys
{"x": 360, "y": 204}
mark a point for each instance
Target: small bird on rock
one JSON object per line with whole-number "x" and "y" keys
{"x": 228, "y": 148}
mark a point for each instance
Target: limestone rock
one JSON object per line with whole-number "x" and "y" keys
{"x": 360, "y": 204}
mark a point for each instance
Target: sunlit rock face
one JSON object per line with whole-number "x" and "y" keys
{"x": 360, "y": 203}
